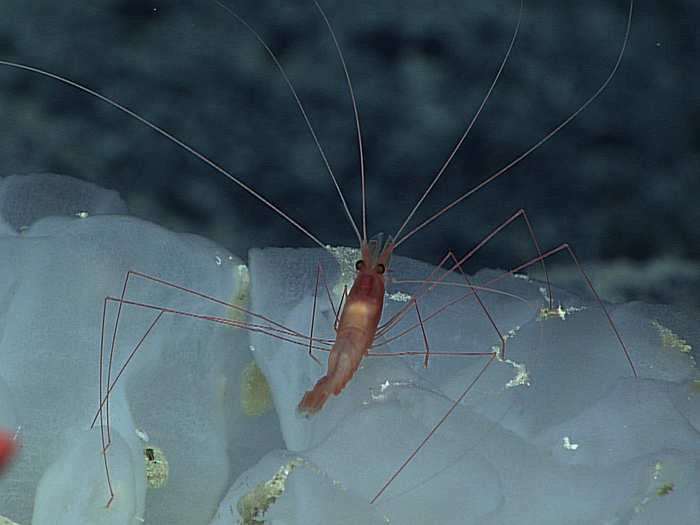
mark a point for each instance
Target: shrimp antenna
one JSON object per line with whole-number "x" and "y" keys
{"x": 356, "y": 113}
{"x": 168, "y": 136}
{"x": 304, "y": 114}
{"x": 464, "y": 135}
{"x": 539, "y": 143}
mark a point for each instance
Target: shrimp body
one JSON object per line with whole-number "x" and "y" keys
{"x": 357, "y": 326}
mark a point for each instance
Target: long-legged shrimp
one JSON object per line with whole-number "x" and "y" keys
{"x": 409, "y": 218}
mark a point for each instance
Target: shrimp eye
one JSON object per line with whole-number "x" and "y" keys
{"x": 359, "y": 264}
{"x": 380, "y": 268}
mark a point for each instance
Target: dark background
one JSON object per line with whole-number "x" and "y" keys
{"x": 621, "y": 183}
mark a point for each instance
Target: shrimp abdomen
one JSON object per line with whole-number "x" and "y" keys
{"x": 356, "y": 331}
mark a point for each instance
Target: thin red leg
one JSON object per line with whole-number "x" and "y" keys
{"x": 425, "y": 289}
{"x": 313, "y": 317}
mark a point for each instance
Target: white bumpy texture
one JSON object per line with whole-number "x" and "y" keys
{"x": 577, "y": 440}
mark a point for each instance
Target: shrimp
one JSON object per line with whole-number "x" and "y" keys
{"x": 357, "y": 327}
{"x": 363, "y": 308}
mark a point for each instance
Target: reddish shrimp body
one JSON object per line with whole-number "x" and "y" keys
{"x": 357, "y": 327}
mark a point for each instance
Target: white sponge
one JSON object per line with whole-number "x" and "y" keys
{"x": 180, "y": 388}
{"x": 559, "y": 430}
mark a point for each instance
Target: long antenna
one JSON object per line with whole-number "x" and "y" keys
{"x": 466, "y": 131}
{"x": 539, "y": 143}
{"x": 357, "y": 117}
{"x": 168, "y": 136}
{"x": 303, "y": 111}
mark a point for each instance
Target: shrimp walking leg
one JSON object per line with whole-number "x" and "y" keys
{"x": 219, "y": 312}
{"x": 539, "y": 259}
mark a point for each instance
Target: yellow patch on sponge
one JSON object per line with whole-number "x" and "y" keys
{"x": 256, "y": 398}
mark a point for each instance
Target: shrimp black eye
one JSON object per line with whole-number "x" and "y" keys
{"x": 359, "y": 265}
{"x": 380, "y": 268}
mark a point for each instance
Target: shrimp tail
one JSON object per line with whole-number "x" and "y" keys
{"x": 342, "y": 364}
{"x": 314, "y": 399}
